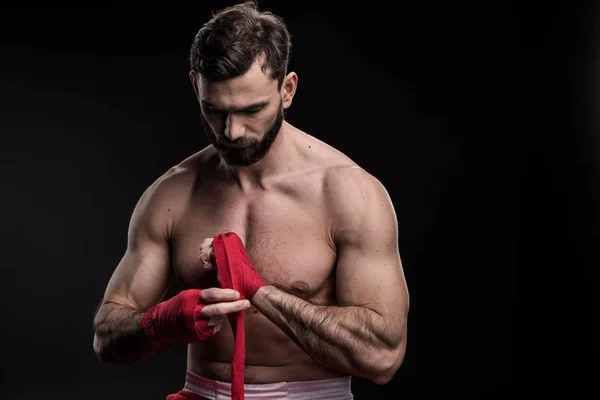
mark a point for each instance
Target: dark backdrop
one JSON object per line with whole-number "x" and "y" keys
{"x": 465, "y": 113}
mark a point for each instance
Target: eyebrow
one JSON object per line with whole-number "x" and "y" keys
{"x": 249, "y": 107}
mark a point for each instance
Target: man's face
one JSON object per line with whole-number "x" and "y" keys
{"x": 242, "y": 116}
{"x": 245, "y": 150}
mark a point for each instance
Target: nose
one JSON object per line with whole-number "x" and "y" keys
{"x": 234, "y": 128}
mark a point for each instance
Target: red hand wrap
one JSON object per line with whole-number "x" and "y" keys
{"x": 236, "y": 272}
{"x": 176, "y": 320}
{"x": 234, "y": 267}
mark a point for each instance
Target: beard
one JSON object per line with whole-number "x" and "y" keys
{"x": 253, "y": 151}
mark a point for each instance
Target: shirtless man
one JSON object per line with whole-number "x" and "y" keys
{"x": 320, "y": 231}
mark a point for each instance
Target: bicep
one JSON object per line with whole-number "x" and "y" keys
{"x": 141, "y": 278}
{"x": 143, "y": 275}
{"x": 369, "y": 270}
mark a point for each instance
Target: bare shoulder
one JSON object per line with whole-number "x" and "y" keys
{"x": 166, "y": 197}
{"x": 179, "y": 180}
{"x": 341, "y": 175}
{"x": 344, "y": 182}
{"x": 358, "y": 202}
{"x": 353, "y": 196}
{"x": 350, "y": 188}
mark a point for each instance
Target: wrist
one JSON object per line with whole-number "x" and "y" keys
{"x": 147, "y": 324}
{"x": 262, "y": 293}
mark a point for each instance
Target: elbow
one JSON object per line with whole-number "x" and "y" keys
{"x": 100, "y": 349}
{"x": 104, "y": 352}
{"x": 109, "y": 352}
{"x": 386, "y": 364}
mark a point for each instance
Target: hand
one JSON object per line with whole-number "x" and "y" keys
{"x": 234, "y": 268}
{"x": 218, "y": 303}
{"x": 207, "y": 254}
{"x": 191, "y": 316}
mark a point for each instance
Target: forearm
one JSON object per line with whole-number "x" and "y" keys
{"x": 351, "y": 339}
{"x": 118, "y": 337}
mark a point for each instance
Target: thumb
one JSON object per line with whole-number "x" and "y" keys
{"x": 207, "y": 265}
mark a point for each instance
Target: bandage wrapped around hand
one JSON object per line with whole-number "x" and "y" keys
{"x": 178, "y": 319}
{"x": 234, "y": 268}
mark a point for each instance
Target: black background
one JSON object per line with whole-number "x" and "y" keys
{"x": 478, "y": 117}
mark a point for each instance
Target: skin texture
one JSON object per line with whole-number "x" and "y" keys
{"x": 320, "y": 229}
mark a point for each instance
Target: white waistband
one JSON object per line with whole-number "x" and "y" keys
{"x": 331, "y": 389}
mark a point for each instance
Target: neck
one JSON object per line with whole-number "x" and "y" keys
{"x": 279, "y": 159}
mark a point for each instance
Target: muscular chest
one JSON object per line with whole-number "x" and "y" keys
{"x": 286, "y": 238}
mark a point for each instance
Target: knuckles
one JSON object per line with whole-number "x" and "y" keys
{"x": 207, "y": 254}
{"x": 208, "y": 295}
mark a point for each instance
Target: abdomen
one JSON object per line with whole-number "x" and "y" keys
{"x": 271, "y": 356}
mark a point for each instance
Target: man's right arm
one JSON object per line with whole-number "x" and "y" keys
{"x": 139, "y": 282}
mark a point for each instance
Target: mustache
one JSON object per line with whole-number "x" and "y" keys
{"x": 241, "y": 142}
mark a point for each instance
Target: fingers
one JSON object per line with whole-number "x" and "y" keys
{"x": 207, "y": 264}
{"x": 206, "y": 243}
{"x": 216, "y": 295}
{"x": 216, "y": 320}
{"x": 222, "y": 309}
{"x": 207, "y": 254}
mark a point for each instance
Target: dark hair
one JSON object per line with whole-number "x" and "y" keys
{"x": 229, "y": 43}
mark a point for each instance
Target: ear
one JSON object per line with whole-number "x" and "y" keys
{"x": 194, "y": 83}
{"x": 288, "y": 89}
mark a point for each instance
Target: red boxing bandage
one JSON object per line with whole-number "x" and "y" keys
{"x": 176, "y": 320}
{"x": 234, "y": 267}
{"x": 236, "y": 272}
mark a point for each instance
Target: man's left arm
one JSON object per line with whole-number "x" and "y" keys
{"x": 365, "y": 333}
